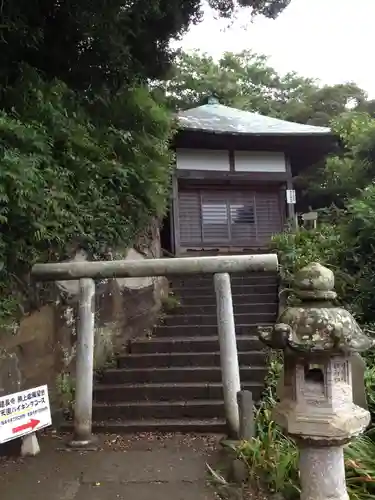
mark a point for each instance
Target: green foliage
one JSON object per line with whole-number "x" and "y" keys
{"x": 90, "y": 44}
{"x": 359, "y": 233}
{"x": 84, "y": 147}
{"x": 360, "y": 469}
{"x": 351, "y": 169}
{"x": 297, "y": 249}
{"x": 348, "y": 180}
{"x": 273, "y": 461}
{"x": 65, "y": 388}
{"x": 267, "y": 8}
{"x": 247, "y": 81}
{"x": 67, "y": 181}
{"x": 272, "y": 458}
{"x": 170, "y": 302}
{"x": 345, "y": 242}
{"x": 240, "y": 80}
{"x": 325, "y": 245}
{"x": 370, "y": 382}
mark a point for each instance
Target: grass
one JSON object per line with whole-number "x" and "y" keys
{"x": 170, "y": 302}
{"x": 360, "y": 468}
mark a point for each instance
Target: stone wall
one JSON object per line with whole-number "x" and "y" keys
{"x": 42, "y": 349}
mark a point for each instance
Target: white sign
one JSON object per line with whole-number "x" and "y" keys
{"x": 23, "y": 413}
{"x": 290, "y": 196}
{"x": 310, "y": 216}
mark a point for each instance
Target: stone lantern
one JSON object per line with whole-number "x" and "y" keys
{"x": 316, "y": 404}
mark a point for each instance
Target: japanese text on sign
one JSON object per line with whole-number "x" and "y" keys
{"x": 24, "y": 412}
{"x": 290, "y": 196}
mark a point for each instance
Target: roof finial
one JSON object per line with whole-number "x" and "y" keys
{"x": 213, "y": 100}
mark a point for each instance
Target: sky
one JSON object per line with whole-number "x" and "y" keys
{"x": 330, "y": 40}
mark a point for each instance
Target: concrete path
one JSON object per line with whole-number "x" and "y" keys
{"x": 144, "y": 467}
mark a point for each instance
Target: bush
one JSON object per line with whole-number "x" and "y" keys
{"x": 324, "y": 245}
{"x": 271, "y": 446}
{"x": 370, "y": 382}
{"x": 71, "y": 177}
{"x": 348, "y": 179}
{"x": 297, "y": 249}
{"x": 359, "y": 232}
{"x": 340, "y": 246}
{"x": 345, "y": 243}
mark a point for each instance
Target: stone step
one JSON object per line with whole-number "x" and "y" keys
{"x": 241, "y": 289}
{"x": 210, "y": 299}
{"x": 248, "y": 308}
{"x": 200, "y": 344}
{"x": 177, "y": 374}
{"x": 105, "y": 393}
{"x": 155, "y": 360}
{"x": 205, "y": 330}
{"x": 210, "y": 319}
{"x": 187, "y": 425}
{"x": 210, "y": 408}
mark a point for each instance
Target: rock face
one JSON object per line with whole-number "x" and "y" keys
{"x": 42, "y": 348}
{"x": 10, "y": 375}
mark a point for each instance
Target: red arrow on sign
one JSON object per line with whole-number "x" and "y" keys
{"x": 30, "y": 425}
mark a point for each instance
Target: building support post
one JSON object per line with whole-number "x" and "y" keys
{"x": 228, "y": 352}
{"x": 85, "y": 366}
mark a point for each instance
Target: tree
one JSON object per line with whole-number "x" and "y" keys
{"x": 242, "y": 80}
{"x": 247, "y": 81}
{"x": 321, "y": 104}
{"x": 267, "y": 8}
{"x": 90, "y": 43}
{"x": 347, "y": 242}
{"x": 351, "y": 169}
{"x": 84, "y": 147}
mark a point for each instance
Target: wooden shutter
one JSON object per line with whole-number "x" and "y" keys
{"x": 189, "y": 217}
{"x": 242, "y": 218}
{"x": 215, "y": 217}
{"x": 232, "y": 218}
{"x": 268, "y": 214}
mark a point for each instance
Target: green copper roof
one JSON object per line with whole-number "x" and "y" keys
{"x": 219, "y": 119}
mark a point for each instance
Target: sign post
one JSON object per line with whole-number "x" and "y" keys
{"x": 22, "y": 414}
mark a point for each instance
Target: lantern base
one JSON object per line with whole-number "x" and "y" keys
{"x": 322, "y": 473}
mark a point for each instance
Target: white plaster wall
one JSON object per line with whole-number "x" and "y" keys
{"x": 202, "y": 159}
{"x": 259, "y": 161}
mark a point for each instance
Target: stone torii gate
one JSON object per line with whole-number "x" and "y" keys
{"x": 87, "y": 272}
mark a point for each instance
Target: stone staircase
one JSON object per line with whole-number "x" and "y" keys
{"x": 172, "y": 381}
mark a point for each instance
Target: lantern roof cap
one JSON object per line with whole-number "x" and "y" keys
{"x": 316, "y": 325}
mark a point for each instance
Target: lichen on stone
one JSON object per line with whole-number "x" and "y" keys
{"x": 315, "y": 325}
